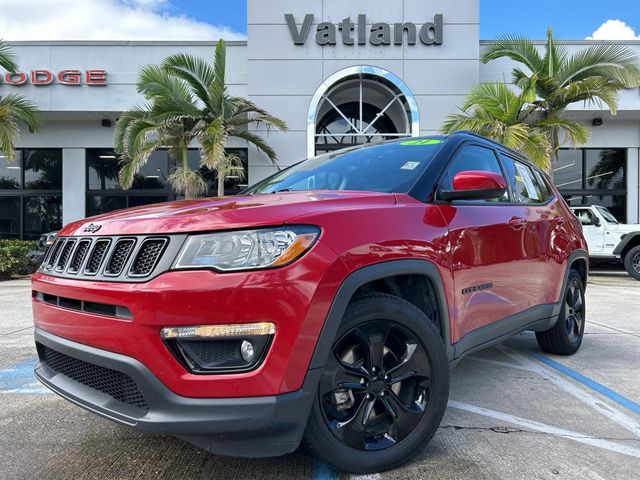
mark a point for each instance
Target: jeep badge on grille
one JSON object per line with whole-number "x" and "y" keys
{"x": 92, "y": 228}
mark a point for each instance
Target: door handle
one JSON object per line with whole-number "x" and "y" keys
{"x": 517, "y": 223}
{"x": 558, "y": 220}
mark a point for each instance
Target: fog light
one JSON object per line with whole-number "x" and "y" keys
{"x": 247, "y": 351}
{"x": 224, "y": 348}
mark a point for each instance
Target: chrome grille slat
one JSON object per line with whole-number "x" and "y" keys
{"x": 65, "y": 255}
{"x": 55, "y": 253}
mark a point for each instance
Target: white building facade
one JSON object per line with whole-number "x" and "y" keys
{"x": 339, "y": 73}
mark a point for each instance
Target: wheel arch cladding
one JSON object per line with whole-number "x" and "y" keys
{"x": 394, "y": 276}
{"x": 628, "y": 241}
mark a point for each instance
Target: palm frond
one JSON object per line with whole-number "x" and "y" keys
{"x": 8, "y": 60}
{"x": 258, "y": 142}
{"x": 615, "y": 62}
{"x": 186, "y": 181}
{"x": 193, "y": 70}
{"x": 517, "y": 48}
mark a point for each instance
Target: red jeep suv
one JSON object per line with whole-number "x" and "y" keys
{"x": 323, "y": 305}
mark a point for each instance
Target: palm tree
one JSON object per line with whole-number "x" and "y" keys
{"x": 13, "y": 109}
{"x": 496, "y": 111}
{"x": 595, "y": 74}
{"x": 188, "y": 100}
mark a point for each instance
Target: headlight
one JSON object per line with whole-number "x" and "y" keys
{"x": 247, "y": 249}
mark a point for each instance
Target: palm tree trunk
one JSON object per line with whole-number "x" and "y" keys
{"x": 220, "y": 184}
{"x": 188, "y": 190}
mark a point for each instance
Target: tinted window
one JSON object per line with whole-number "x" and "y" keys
{"x": 42, "y": 214}
{"x": 11, "y": 172}
{"x": 567, "y": 170}
{"x": 605, "y": 169}
{"x": 42, "y": 169}
{"x": 472, "y": 158}
{"x": 525, "y": 183}
{"x": 389, "y": 167}
{"x": 103, "y": 167}
{"x": 9, "y": 216}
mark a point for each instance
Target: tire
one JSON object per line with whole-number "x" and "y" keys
{"x": 409, "y": 378}
{"x": 632, "y": 262}
{"x": 565, "y": 337}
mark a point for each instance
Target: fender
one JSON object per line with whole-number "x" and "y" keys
{"x": 629, "y": 237}
{"x": 368, "y": 274}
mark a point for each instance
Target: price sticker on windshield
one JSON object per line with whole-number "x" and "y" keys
{"x": 409, "y": 165}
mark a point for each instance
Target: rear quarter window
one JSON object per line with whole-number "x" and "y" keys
{"x": 527, "y": 184}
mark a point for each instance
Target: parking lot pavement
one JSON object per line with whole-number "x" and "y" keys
{"x": 514, "y": 413}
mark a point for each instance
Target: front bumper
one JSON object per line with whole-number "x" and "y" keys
{"x": 248, "y": 427}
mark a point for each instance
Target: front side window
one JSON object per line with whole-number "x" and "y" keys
{"x": 472, "y": 157}
{"x": 390, "y": 168}
{"x": 586, "y": 217}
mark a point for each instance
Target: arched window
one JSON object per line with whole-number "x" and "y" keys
{"x": 360, "y": 105}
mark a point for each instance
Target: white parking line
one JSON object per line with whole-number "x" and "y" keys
{"x": 541, "y": 427}
{"x": 611, "y": 412}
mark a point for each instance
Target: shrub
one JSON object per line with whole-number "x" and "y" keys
{"x": 13, "y": 258}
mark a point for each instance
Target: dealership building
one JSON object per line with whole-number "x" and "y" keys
{"x": 338, "y": 72}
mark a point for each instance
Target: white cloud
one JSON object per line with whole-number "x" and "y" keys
{"x": 103, "y": 20}
{"x": 614, "y": 30}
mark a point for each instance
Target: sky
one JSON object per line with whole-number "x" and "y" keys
{"x": 213, "y": 19}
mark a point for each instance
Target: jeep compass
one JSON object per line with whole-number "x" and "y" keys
{"x": 324, "y": 305}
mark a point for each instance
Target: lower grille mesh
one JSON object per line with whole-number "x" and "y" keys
{"x": 110, "y": 382}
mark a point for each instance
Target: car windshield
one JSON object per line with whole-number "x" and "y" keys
{"x": 607, "y": 215}
{"x": 389, "y": 167}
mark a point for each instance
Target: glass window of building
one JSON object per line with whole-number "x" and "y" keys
{"x": 233, "y": 183}
{"x": 104, "y": 192}
{"x": 590, "y": 176}
{"x": 31, "y": 193}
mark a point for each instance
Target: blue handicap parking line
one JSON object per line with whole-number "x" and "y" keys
{"x": 323, "y": 471}
{"x": 19, "y": 378}
{"x": 592, "y": 384}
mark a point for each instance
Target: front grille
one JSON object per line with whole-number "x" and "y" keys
{"x": 65, "y": 255}
{"x": 78, "y": 256}
{"x": 147, "y": 256}
{"x": 96, "y": 257}
{"x": 116, "y": 384}
{"x": 119, "y": 256}
{"x": 130, "y": 258}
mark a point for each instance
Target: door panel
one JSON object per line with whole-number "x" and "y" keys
{"x": 488, "y": 263}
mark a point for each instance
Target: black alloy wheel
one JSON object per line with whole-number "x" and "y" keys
{"x": 574, "y": 310}
{"x": 565, "y": 337}
{"x": 632, "y": 262}
{"x": 376, "y": 386}
{"x": 383, "y": 390}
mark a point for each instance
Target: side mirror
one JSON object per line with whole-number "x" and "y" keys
{"x": 475, "y": 185}
{"x": 597, "y": 222}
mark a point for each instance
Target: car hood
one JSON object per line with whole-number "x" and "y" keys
{"x": 223, "y": 212}
{"x": 623, "y": 228}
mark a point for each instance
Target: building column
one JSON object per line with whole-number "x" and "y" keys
{"x": 74, "y": 184}
{"x": 633, "y": 185}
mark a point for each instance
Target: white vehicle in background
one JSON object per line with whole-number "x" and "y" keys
{"x": 609, "y": 239}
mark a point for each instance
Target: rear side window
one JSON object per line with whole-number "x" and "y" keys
{"x": 526, "y": 184}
